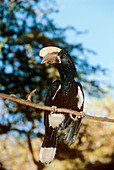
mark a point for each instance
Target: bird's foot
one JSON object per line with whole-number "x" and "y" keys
{"x": 82, "y": 114}
{"x": 54, "y": 109}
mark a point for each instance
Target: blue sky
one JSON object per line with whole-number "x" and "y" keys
{"x": 97, "y": 18}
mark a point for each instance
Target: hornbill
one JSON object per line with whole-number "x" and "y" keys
{"x": 63, "y": 93}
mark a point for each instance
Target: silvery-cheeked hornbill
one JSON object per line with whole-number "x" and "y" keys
{"x": 64, "y": 93}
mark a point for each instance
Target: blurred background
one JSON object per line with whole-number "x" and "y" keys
{"x": 85, "y": 28}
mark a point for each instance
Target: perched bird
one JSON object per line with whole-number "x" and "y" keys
{"x": 63, "y": 93}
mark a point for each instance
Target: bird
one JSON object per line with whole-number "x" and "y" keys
{"x": 63, "y": 93}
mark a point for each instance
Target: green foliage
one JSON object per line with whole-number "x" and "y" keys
{"x": 26, "y": 27}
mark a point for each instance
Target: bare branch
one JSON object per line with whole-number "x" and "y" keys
{"x": 30, "y": 95}
{"x": 63, "y": 110}
{"x": 31, "y": 149}
{"x": 37, "y": 163}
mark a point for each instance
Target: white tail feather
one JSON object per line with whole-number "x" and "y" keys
{"x": 47, "y": 154}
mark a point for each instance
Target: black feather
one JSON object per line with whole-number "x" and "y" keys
{"x": 65, "y": 97}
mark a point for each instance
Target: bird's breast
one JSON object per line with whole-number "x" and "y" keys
{"x": 64, "y": 97}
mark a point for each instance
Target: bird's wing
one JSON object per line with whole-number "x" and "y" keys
{"x": 48, "y": 149}
{"x": 79, "y": 97}
{"x": 75, "y": 122}
{"x": 49, "y": 99}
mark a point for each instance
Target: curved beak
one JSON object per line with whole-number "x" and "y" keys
{"x": 51, "y": 58}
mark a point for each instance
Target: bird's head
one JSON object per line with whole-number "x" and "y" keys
{"x": 58, "y": 57}
{"x": 50, "y": 55}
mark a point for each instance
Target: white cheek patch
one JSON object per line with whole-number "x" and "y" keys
{"x": 55, "y": 120}
{"x": 56, "y": 92}
{"x": 59, "y": 59}
{"x": 80, "y": 98}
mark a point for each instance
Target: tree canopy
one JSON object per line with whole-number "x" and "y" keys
{"x": 26, "y": 27}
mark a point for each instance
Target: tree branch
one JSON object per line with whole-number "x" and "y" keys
{"x": 37, "y": 163}
{"x": 42, "y": 107}
{"x": 31, "y": 149}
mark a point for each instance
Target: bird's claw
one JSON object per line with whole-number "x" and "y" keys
{"x": 54, "y": 109}
{"x": 82, "y": 114}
